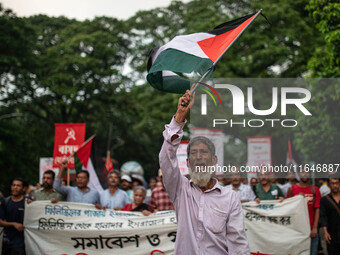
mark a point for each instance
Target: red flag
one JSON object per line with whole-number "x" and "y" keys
{"x": 108, "y": 163}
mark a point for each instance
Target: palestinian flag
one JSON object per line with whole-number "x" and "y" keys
{"x": 192, "y": 53}
{"x": 82, "y": 161}
{"x": 82, "y": 155}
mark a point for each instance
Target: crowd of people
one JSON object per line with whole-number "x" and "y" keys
{"x": 123, "y": 194}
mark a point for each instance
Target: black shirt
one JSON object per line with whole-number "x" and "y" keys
{"x": 13, "y": 212}
{"x": 330, "y": 217}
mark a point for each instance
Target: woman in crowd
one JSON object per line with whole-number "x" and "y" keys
{"x": 139, "y": 194}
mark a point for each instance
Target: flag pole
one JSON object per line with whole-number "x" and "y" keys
{"x": 219, "y": 58}
{"x": 84, "y": 143}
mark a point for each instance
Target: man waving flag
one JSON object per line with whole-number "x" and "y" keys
{"x": 197, "y": 52}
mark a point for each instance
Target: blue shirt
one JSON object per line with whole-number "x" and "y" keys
{"x": 119, "y": 198}
{"x": 74, "y": 194}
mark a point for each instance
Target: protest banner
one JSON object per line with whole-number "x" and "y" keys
{"x": 259, "y": 150}
{"x": 67, "y": 140}
{"x": 182, "y": 157}
{"x": 70, "y": 228}
{"x": 283, "y": 225}
{"x": 259, "y": 153}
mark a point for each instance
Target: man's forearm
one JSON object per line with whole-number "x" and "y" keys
{"x": 316, "y": 218}
{"x": 4, "y": 223}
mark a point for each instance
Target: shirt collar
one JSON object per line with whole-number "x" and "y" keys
{"x": 239, "y": 187}
{"x": 216, "y": 186}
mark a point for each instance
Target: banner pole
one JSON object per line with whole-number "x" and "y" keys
{"x": 68, "y": 176}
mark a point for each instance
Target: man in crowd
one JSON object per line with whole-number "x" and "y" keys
{"x": 152, "y": 185}
{"x": 113, "y": 197}
{"x": 79, "y": 194}
{"x": 160, "y": 199}
{"x": 330, "y": 217}
{"x": 265, "y": 190}
{"x": 47, "y": 192}
{"x": 244, "y": 192}
{"x": 12, "y": 218}
{"x": 324, "y": 188}
{"x": 253, "y": 181}
{"x": 209, "y": 216}
{"x": 312, "y": 196}
{"x": 126, "y": 185}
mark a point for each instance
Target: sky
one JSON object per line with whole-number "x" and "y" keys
{"x": 83, "y": 9}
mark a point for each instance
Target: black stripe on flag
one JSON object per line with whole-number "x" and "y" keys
{"x": 230, "y": 25}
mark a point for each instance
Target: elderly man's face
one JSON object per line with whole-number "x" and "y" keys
{"x": 199, "y": 159}
{"x": 236, "y": 179}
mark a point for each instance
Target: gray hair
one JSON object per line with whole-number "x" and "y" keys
{"x": 204, "y": 140}
{"x": 116, "y": 172}
{"x": 140, "y": 188}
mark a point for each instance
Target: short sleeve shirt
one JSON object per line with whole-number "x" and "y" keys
{"x": 273, "y": 193}
{"x": 13, "y": 212}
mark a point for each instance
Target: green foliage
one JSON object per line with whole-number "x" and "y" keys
{"x": 326, "y": 60}
{"x": 319, "y": 139}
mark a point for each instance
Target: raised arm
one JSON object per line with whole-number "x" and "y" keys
{"x": 57, "y": 181}
{"x": 172, "y": 134}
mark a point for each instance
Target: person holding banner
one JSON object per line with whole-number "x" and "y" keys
{"x": 80, "y": 194}
{"x": 113, "y": 197}
{"x": 139, "y": 194}
{"x": 265, "y": 190}
{"x": 244, "y": 192}
{"x": 12, "y": 210}
{"x": 209, "y": 216}
{"x": 312, "y": 196}
{"x": 47, "y": 192}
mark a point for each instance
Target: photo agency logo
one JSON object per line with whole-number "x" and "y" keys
{"x": 260, "y": 105}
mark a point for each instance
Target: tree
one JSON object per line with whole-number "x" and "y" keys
{"x": 320, "y": 140}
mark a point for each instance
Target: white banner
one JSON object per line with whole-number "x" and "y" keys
{"x": 182, "y": 157}
{"x": 275, "y": 228}
{"x": 70, "y": 228}
{"x": 44, "y": 165}
{"x": 259, "y": 150}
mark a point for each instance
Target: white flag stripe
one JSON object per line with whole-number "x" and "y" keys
{"x": 187, "y": 44}
{"x": 94, "y": 181}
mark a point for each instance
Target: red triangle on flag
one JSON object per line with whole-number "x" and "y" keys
{"x": 84, "y": 152}
{"x": 214, "y": 47}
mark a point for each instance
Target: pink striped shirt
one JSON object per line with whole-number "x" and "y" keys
{"x": 209, "y": 222}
